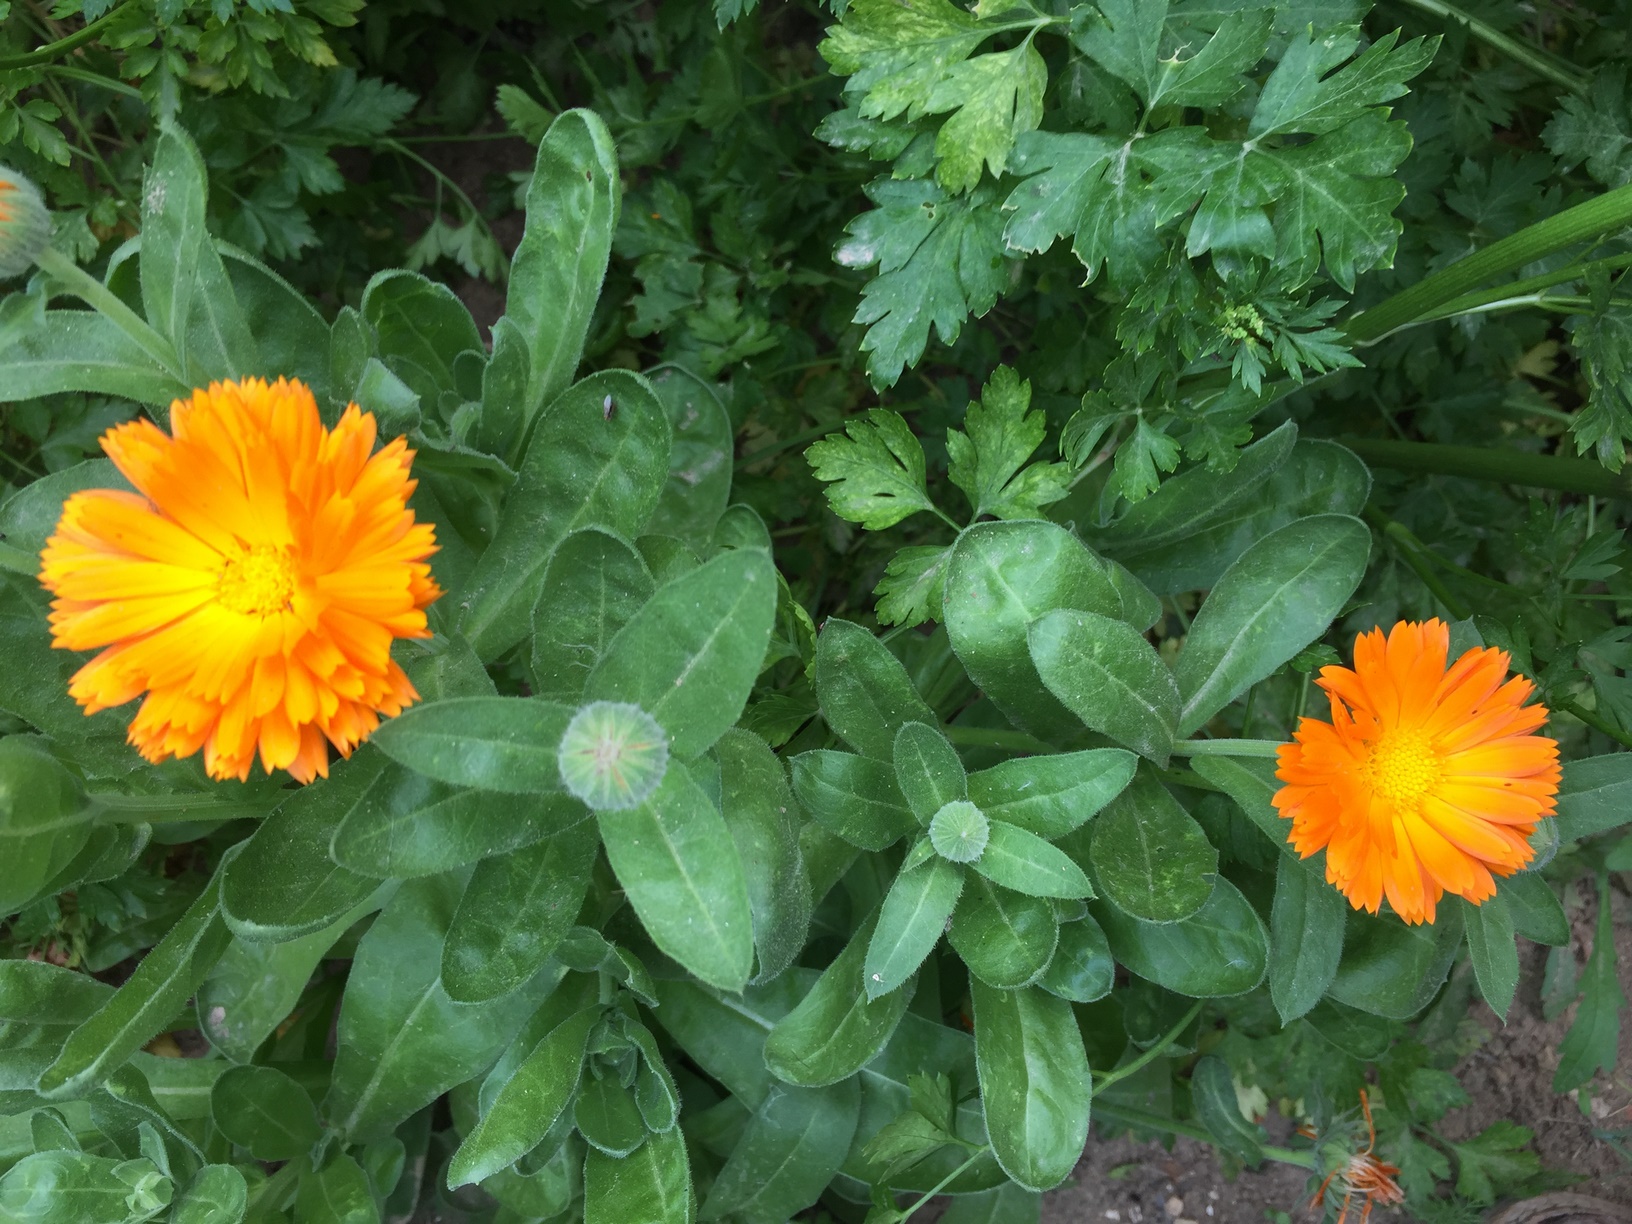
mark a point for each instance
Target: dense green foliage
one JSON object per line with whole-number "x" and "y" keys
{"x": 1030, "y": 398}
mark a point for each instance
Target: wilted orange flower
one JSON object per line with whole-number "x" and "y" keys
{"x": 254, "y": 585}
{"x": 1427, "y": 780}
{"x": 1364, "y": 1174}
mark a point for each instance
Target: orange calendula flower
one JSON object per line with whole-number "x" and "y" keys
{"x": 25, "y": 225}
{"x": 1427, "y": 780}
{"x": 253, "y": 585}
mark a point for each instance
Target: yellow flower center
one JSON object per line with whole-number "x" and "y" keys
{"x": 259, "y": 583}
{"x": 1403, "y": 767}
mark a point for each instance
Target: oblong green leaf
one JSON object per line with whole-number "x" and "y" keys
{"x": 651, "y": 1186}
{"x": 699, "y": 484}
{"x": 513, "y": 912}
{"x": 1005, "y": 938}
{"x": 506, "y": 744}
{"x": 1105, "y": 673}
{"x": 865, "y": 693}
{"x": 1393, "y": 970}
{"x": 593, "y": 584}
{"x": 1052, "y": 795}
{"x": 764, "y": 819}
{"x": 1277, "y": 597}
{"x": 927, "y": 770}
{"x": 1081, "y": 969}
{"x": 606, "y": 1115}
{"x": 264, "y": 1110}
{"x": 1150, "y": 856}
{"x": 837, "y": 1028}
{"x": 793, "y": 1145}
{"x": 677, "y": 863}
{"x": 1219, "y": 951}
{"x": 1595, "y": 794}
{"x": 581, "y": 469}
{"x": 1003, "y": 576}
{"x": 910, "y": 923}
{"x": 1494, "y": 954}
{"x": 1026, "y": 863}
{"x": 1034, "y": 1082}
{"x": 690, "y": 656}
{"x": 1305, "y": 937}
{"x": 853, "y": 797}
{"x": 79, "y": 350}
{"x": 1212, "y": 1090}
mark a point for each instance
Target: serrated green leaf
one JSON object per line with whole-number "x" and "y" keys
{"x": 1129, "y": 39}
{"x": 876, "y": 475}
{"x": 914, "y": 582}
{"x": 1305, "y": 95}
{"x": 986, "y": 461}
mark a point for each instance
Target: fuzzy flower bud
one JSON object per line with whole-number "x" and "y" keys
{"x": 25, "y": 224}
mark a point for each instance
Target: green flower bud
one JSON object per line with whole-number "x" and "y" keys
{"x": 25, "y": 224}
{"x": 612, "y": 755}
{"x": 960, "y": 831}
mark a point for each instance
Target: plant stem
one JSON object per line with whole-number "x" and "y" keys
{"x": 944, "y": 1182}
{"x": 111, "y": 808}
{"x": 996, "y": 737}
{"x": 1228, "y": 747}
{"x": 1539, "y": 62}
{"x": 16, "y": 561}
{"x": 55, "y": 50}
{"x": 75, "y": 280}
{"x": 1103, "y": 1080}
{"x": 1138, "y": 1117}
{"x": 86, "y": 77}
{"x": 1412, "y": 550}
{"x": 271, "y": 1194}
{"x": 1597, "y": 216}
{"x": 1575, "y": 709}
{"x": 1495, "y": 463}
{"x": 1530, "y": 285}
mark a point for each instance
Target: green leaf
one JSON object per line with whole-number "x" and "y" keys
{"x": 853, "y": 797}
{"x": 148, "y": 1001}
{"x": 1303, "y": 94}
{"x": 607, "y": 1117}
{"x": 1004, "y": 576}
{"x": 927, "y": 770}
{"x": 1594, "y": 795}
{"x": 837, "y": 1028}
{"x": 60, "y": 1187}
{"x": 793, "y": 1145}
{"x": 573, "y": 202}
{"x": 262, "y": 1109}
{"x": 726, "y": 1035}
{"x": 1006, "y": 938}
{"x": 674, "y": 856}
{"x": 699, "y": 484}
{"x": 1278, "y": 596}
{"x": 79, "y": 350}
{"x": 1591, "y": 1044}
{"x": 1305, "y": 937}
{"x": 407, "y": 825}
{"x": 1128, "y": 39}
{"x": 594, "y": 583}
{"x": 1218, "y": 952}
{"x": 1003, "y": 432}
{"x": 652, "y": 1186}
{"x": 1034, "y": 1082}
{"x": 865, "y": 693}
{"x": 1212, "y": 1092}
{"x": 875, "y": 475}
{"x": 1109, "y": 676}
{"x": 910, "y": 923}
{"x": 217, "y": 1194}
{"x": 513, "y": 912}
{"x": 1150, "y": 857}
{"x": 1081, "y": 970}
{"x": 690, "y": 656}
{"x": 1052, "y": 795}
{"x": 913, "y": 585}
{"x": 1494, "y": 954}
{"x": 36, "y": 992}
{"x": 993, "y": 99}
{"x": 1008, "y": 1204}
{"x": 401, "y": 1041}
{"x": 581, "y": 469}
{"x": 939, "y": 260}
{"x": 505, "y": 744}
{"x": 421, "y": 329}
{"x": 1393, "y": 970}
{"x": 1535, "y": 909}
{"x": 764, "y": 820}
{"x": 185, "y": 292}
{"x": 1026, "y": 863}
{"x": 339, "y": 1191}
{"x": 1494, "y": 1162}
{"x": 283, "y": 884}
{"x": 45, "y": 819}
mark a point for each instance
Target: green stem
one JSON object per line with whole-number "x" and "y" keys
{"x": 16, "y": 561}
{"x": 75, "y": 280}
{"x": 112, "y": 808}
{"x": 272, "y": 1192}
{"x": 1129, "y": 1116}
{"x": 1539, "y": 62}
{"x": 1103, "y": 1080}
{"x": 995, "y": 737}
{"x": 1522, "y": 289}
{"x": 1576, "y": 710}
{"x": 1495, "y": 463}
{"x": 944, "y": 1183}
{"x": 1600, "y": 215}
{"x": 51, "y": 51}
{"x": 1228, "y": 747}
{"x": 86, "y": 77}
{"x": 1411, "y": 550}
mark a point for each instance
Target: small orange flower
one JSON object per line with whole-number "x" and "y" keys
{"x": 252, "y": 587}
{"x": 25, "y": 225}
{"x": 1364, "y": 1174}
{"x": 1427, "y": 780}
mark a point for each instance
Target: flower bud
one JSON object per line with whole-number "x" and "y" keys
{"x": 25, "y": 224}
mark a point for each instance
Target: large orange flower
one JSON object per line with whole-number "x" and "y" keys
{"x": 1427, "y": 780}
{"x": 254, "y": 585}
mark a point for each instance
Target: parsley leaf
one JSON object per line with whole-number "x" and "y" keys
{"x": 939, "y": 260}
{"x": 913, "y": 585}
{"x": 1590, "y": 1045}
{"x": 1003, "y": 431}
{"x": 1304, "y": 95}
{"x": 1494, "y": 1161}
{"x": 1137, "y": 459}
{"x": 876, "y": 474}
{"x": 1131, "y": 39}
{"x": 1603, "y": 341}
{"x": 1597, "y": 132}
